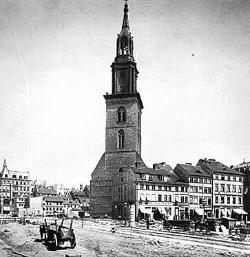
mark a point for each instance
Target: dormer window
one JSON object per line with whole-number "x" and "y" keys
{"x": 121, "y": 114}
{"x": 14, "y": 176}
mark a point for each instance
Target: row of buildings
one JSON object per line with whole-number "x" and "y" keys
{"x": 19, "y": 195}
{"x": 209, "y": 189}
{"x": 123, "y": 186}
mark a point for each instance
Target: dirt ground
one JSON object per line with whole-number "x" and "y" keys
{"x": 95, "y": 239}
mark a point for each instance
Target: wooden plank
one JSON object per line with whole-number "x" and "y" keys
{"x": 21, "y": 254}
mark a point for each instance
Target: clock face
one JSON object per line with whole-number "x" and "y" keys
{"x": 122, "y": 81}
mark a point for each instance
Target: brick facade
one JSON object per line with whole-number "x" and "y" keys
{"x": 123, "y": 124}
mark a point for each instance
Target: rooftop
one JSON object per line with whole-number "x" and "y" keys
{"x": 213, "y": 166}
{"x": 191, "y": 170}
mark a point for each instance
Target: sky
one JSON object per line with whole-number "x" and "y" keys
{"x": 55, "y": 55}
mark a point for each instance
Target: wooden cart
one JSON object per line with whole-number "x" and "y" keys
{"x": 59, "y": 234}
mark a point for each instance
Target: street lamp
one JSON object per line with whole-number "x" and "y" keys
{"x": 115, "y": 212}
{"x": 203, "y": 205}
{"x": 125, "y": 206}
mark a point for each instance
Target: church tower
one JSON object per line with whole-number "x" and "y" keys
{"x": 123, "y": 123}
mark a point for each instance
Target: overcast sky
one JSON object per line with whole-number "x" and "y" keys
{"x": 55, "y": 57}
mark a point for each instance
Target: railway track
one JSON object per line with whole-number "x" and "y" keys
{"x": 218, "y": 243}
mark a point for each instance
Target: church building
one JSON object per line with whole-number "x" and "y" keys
{"x": 123, "y": 123}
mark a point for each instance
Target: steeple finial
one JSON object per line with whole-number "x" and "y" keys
{"x": 124, "y": 43}
{"x": 125, "y": 23}
{"x": 4, "y": 163}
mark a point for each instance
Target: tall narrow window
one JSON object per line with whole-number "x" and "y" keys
{"x": 121, "y": 139}
{"x": 121, "y": 114}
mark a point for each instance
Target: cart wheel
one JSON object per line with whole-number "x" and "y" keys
{"x": 54, "y": 241}
{"x": 73, "y": 241}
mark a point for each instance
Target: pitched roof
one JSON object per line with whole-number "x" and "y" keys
{"x": 168, "y": 172}
{"x": 46, "y": 191}
{"x": 14, "y": 172}
{"x": 191, "y": 170}
{"x": 57, "y": 198}
{"x": 146, "y": 170}
{"x": 79, "y": 193}
{"x": 242, "y": 165}
{"x": 213, "y": 166}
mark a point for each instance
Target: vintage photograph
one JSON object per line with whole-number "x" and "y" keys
{"x": 124, "y": 128}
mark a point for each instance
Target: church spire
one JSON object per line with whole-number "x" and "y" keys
{"x": 125, "y": 23}
{"x": 124, "y": 68}
{"x": 124, "y": 44}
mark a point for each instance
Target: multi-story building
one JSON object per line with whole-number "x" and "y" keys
{"x": 14, "y": 190}
{"x": 50, "y": 205}
{"x": 82, "y": 197}
{"x": 71, "y": 207}
{"x": 143, "y": 192}
{"x": 199, "y": 189}
{"x": 53, "y": 205}
{"x": 227, "y": 187}
{"x": 245, "y": 169}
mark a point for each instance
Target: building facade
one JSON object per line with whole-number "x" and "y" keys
{"x": 123, "y": 123}
{"x": 142, "y": 192}
{"x": 53, "y": 205}
{"x": 199, "y": 189}
{"x": 15, "y": 189}
{"x": 227, "y": 194}
{"x": 244, "y": 168}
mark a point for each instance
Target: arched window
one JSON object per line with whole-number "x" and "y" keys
{"x": 121, "y": 138}
{"x": 121, "y": 114}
